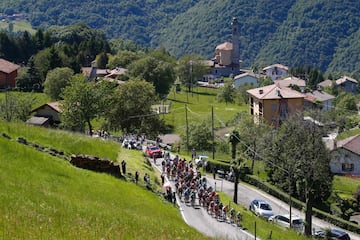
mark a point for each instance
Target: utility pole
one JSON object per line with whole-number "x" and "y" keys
{"x": 213, "y": 132}
{"x": 191, "y": 78}
{"x": 187, "y": 129}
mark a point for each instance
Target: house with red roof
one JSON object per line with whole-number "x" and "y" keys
{"x": 318, "y": 100}
{"x": 8, "y": 73}
{"x": 345, "y": 156}
{"x": 275, "y": 104}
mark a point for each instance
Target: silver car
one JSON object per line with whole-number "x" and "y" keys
{"x": 261, "y": 208}
{"x": 284, "y": 220}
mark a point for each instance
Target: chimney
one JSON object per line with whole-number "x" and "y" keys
{"x": 278, "y": 92}
{"x": 261, "y": 91}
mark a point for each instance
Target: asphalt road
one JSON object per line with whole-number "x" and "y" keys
{"x": 198, "y": 218}
{"x": 247, "y": 193}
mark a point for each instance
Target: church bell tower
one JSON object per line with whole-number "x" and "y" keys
{"x": 235, "y": 42}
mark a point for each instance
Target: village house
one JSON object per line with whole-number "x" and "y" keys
{"x": 276, "y": 71}
{"x": 344, "y": 83}
{"x": 8, "y": 74}
{"x": 347, "y": 84}
{"x": 94, "y": 73}
{"x": 274, "y": 103}
{"x": 325, "y": 83}
{"x": 291, "y": 82}
{"x": 247, "y": 77}
{"x": 46, "y": 115}
{"x": 318, "y": 99}
{"x": 227, "y": 55}
{"x": 345, "y": 156}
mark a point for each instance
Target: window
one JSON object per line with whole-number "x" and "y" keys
{"x": 348, "y": 167}
{"x": 260, "y": 108}
{"x": 273, "y": 107}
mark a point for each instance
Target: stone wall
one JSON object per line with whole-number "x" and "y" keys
{"x": 96, "y": 164}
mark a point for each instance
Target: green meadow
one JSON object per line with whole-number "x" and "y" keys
{"x": 199, "y": 103}
{"x": 18, "y": 26}
{"x": 45, "y": 197}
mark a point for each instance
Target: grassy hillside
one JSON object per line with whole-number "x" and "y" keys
{"x": 199, "y": 106}
{"x": 17, "y": 26}
{"x": 44, "y": 197}
{"x": 40, "y": 98}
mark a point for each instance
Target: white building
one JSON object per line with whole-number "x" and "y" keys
{"x": 276, "y": 71}
{"x": 248, "y": 77}
{"x": 345, "y": 156}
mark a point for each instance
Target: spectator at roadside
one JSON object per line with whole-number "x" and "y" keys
{"x": 136, "y": 177}
{"x": 193, "y": 155}
{"x": 123, "y": 166}
{"x": 162, "y": 179}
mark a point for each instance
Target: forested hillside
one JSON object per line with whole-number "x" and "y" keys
{"x": 323, "y": 34}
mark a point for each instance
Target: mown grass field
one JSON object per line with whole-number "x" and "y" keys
{"x": 18, "y": 26}
{"x": 345, "y": 186}
{"x": 40, "y": 98}
{"x": 199, "y": 104}
{"x": 45, "y": 197}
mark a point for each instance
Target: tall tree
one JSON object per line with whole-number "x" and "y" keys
{"x": 299, "y": 162}
{"x": 102, "y": 60}
{"x": 251, "y": 133}
{"x": 227, "y": 94}
{"x": 189, "y": 69}
{"x": 8, "y": 47}
{"x": 123, "y": 59}
{"x": 56, "y": 80}
{"x": 29, "y": 79}
{"x": 82, "y": 103}
{"x": 131, "y": 110}
{"x": 153, "y": 70}
{"x": 16, "y": 106}
{"x": 26, "y": 46}
{"x": 200, "y": 136}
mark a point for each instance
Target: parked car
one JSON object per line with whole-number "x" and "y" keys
{"x": 261, "y": 208}
{"x": 131, "y": 144}
{"x": 334, "y": 234}
{"x": 153, "y": 151}
{"x": 284, "y": 220}
{"x": 200, "y": 161}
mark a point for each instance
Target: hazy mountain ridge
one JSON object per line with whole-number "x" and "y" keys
{"x": 295, "y": 32}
